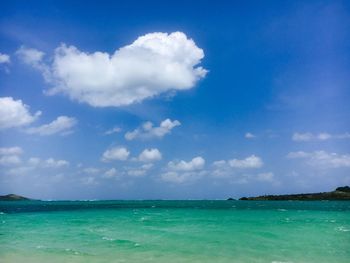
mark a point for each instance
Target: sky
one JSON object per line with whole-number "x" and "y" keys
{"x": 173, "y": 100}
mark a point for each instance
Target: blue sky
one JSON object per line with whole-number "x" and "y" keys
{"x": 176, "y": 100}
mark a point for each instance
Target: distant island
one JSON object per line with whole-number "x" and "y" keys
{"x": 13, "y": 197}
{"x": 341, "y": 193}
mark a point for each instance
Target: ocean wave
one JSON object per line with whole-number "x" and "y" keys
{"x": 108, "y": 238}
{"x": 342, "y": 229}
{"x": 72, "y": 251}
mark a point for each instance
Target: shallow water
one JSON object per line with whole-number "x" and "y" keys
{"x": 175, "y": 231}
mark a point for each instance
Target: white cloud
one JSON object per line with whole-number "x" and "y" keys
{"x": 62, "y": 125}
{"x": 147, "y": 130}
{"x": 184, "y": 172}
{"x": 182, "y": 177}
{"x": 116, "y": 153}
{"x": 136, "y": 172}
{"x": 14, "y": 113}
{"x": 91, "y": 170}
{"x": 10, "y": 156}
{"x": 52, "y": 163}
{"x": 113, "y": 130}
{"x": 153, "y": 64}
{"x": 299, "y": 154}
{"x": 196, "y": 163}
{"x": 249, "y": 135}
{"x": 235, "y": 167}
{"x": 48, "y": 163}
{"x": 266, "y": 177}
{"x": 222, "y": 169}
{"x": 10, "y": 160}
{"x": 34, "y": 161}
{"x": 322, "y": 159}
{"x": 150, "y": 155}
{"x": 249, "y": 162}
{"x": 21, "y": 170}
{"x": 4, "y": 58}
{"x": 30, "y": 56}
{"x": 111, "y": 173}
{"x": 11, "y": 151}
{"x": 139, "y": 171}
{"x": 308, "y": 136}
{"x": 147, "y": 166}
{"x": 90, "y": 180}
{"x": 220, "y": 163}
{"x": 36, "y": 164}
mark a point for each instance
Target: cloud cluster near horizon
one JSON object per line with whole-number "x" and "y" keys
{"x": 153, "y": 64}
{"x": 322, "y": 159}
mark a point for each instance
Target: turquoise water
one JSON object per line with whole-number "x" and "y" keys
{"x": 175, "y": 231}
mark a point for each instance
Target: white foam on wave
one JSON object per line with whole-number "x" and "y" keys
{"x": 342, "y": 229}
{"x": 72, "y": 250}
{"x": 144, "y": 218}
{"x": 108, "y": 238}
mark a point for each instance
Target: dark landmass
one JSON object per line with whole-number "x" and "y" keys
{"x": 341, "y": 193}
{"x": 13, "y": 197}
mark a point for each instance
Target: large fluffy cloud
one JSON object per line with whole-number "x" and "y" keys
{"x": 14, "y": 113}
{"x": 153, "y": 64}
{"x": 147, "y": 130}
{"x": 62, "y": 125}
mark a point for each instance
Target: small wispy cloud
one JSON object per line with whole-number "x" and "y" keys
{"x": 148, "y": 130}
{"x": 249, "y": 135}
{"x": 4, "y": 58}
{"x": 63, "y": 125}
{"x": 323, "y": 136}
{"x": 113, "y": 130}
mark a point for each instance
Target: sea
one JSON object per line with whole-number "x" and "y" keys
{"x": 175, "y": 231}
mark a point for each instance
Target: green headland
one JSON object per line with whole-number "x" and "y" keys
{"x": 341, "y": 193}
